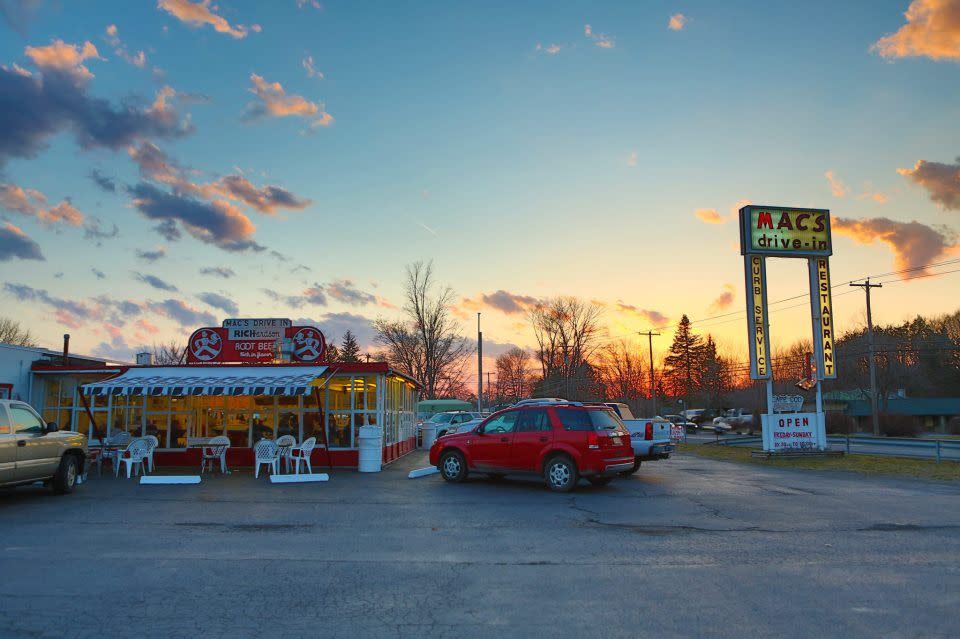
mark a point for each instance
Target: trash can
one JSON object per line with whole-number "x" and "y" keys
{"x": 429, "y": 431}
{"x": 371, "y": 449}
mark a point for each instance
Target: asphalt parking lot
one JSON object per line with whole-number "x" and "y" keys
{"x": 688, "y": 547}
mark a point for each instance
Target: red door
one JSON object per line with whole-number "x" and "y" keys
{"x": 532, "y": 434}
{"x": 490, "y": 447}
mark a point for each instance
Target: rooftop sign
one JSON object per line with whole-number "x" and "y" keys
{"x": 785, "y": 232}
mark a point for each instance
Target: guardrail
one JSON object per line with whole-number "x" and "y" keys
{"x": 937, "y": 449}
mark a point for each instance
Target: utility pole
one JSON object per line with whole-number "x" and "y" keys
{"x": 653, "y": 387}
{"x": 866, "y": 286}
{"x": 479, "y": 367}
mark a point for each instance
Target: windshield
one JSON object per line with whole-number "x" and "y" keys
{"x": 442, "y": 418}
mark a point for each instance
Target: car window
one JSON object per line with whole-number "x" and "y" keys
{"x": 531, "y": 421}
{"x": 578, "y": 419}
{"x": 24, "y": 421}
{"x": 502, "y": 423}
{"x": 441, "y": 418}
{"x": 4, "y": 422}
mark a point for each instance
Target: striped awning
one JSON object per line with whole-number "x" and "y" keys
{"x": 219, "y": 380}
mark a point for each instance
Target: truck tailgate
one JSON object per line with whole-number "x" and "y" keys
{"x": 638, "y": 434}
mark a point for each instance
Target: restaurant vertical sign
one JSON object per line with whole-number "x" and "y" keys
{"x": 757, "y": 323}
{"x": 821, "y": 302}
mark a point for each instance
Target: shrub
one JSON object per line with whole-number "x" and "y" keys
{"x": 953, "y": 426}
{"x": 840, "y": 424}
{"x": 893, "y": 425}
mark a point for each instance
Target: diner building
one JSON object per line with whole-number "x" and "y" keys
{"x": 180, "y": 404}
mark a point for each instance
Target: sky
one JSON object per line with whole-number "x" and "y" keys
{"x": 165, "y": 165}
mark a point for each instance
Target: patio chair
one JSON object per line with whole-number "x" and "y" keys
{"x": 302, "y": 454}
{"x": 134, "y": 456}
{"x": 288, "y": 441}
{"x": 116, "y": 442}
{"x": 154, "y": 442}
{"x": 215, "y": 450}
{"x": 267, "y": 452}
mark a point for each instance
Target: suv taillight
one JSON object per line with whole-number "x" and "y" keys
{"x": 593, "y": 440}
{"x": 648, "y": 431}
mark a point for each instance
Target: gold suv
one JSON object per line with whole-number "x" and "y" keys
{"x": 32, "y": 451}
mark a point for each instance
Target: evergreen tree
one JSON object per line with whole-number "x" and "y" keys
{"x": 714, "y": 380}
{"x": 683, "y": 366}
{"x": 349, "y": 348}
{"x": 333, "y": 353}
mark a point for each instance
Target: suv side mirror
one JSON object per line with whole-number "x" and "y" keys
{"x": 51, "y": 427}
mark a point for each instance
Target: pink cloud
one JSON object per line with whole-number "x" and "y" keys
{"x": 932, "y": 30}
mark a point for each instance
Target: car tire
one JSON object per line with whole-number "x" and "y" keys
{"x": 636, "y": 467}
{"x": 561, "y": 474}
{"x": 600, "y": 481}
{"x": 453, "y": 467}
{"x": 66, "y": 478}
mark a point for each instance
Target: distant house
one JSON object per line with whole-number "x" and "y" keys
{"x": 933, "y": 412}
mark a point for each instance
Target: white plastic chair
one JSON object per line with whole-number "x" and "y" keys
{"x": 302, "y": 454}
{"x": 134, "y": 455}
{"x": 154, "y": 442}
{"x": 289, "y": 441}
{"x": 215, "y": 450}
{"x": 267, "y": 452}
{"x": 122, "y": 438}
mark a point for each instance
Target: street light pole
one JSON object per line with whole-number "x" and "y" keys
{"x": 479, "y": 367}
{"x": 653, "y": 387}
{"x": 874, "y": 408}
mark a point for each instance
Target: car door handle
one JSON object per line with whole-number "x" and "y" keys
{"x": 544, "y": 439}
{"x": 504, "y": 439}
{"x": 21, "y": 442}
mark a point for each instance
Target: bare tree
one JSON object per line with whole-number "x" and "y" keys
{"x": 427, "y": 344}
{"x": 169, "y": 353}
{"x": 513, "y": 375}
{"x": 622, "y": 373}
{"x": 566, "y": 330}
{"x": 12, "y": 333}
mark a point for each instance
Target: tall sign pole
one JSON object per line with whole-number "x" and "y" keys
{"x": 874, "y": 408}
{"x": 778, "y": 231}
{"x": 479, "y": 367}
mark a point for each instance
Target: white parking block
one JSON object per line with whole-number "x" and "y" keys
{"x": 423, "y": 472}
{"x": 170, "y": 479}
{"x": 296, "y": 479}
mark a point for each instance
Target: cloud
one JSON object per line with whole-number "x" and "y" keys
{"x": 219, "y": 223}
{"x": 345, "y": 291}
{"x": 913, "y": 244}
{"x": 655, "y": 318}
{"x": 158, "y": 166}
{"x": 724, "y": 300}
{"x": 334, "y": 325}
{"x": 152, "y": 256}
{"x": 632, "y": 159}
{"x": 198, "y": 14}
{"x": 221, "y": 302}
{"x": 33, "y": 203}
{"x": 310, "y": 295}
{"x": 837, "y": 188}
{"x": 14, "y": 243}
{"x": 35, "y": 107}
{"x": 550, "y": 49}
{"x": 103, "y": 182}
{"x": 265, "y": 199}
{"x": 274, "y": 102}
{"x": 311, "y": 70}
{"x": 218, "y": 271}
{"x": 68, "y": 308}
{"x": 932, "y": 30}
{"x": 97, "y": 273}
{"x": 941, "y": 180}
{"x": 155, "y": 282}
{"x": 18, "y": 13}
{"x": 93, "y": 230}
{"x": 65, "y": 59}
{"x": 709, "y": 216}
{"x": 312, "y": 3}
{"x": 139, "y": 59}
{"x": 601, "y": 40}
{"x": 677, "y": 22}
{"x": 184, "y": 315}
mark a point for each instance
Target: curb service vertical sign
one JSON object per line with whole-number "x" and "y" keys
{"x": 757, "y": 323}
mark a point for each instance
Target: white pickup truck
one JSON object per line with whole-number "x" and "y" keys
{"x": 734, "y": 418}
{"x": 649, "y": 436}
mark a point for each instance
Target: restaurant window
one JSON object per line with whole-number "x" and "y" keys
{"x": 182, "y": 420}
{"x": 238, "y": 421}
{"x": 288, "y": 417}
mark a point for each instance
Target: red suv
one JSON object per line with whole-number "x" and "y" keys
{"x": 561, "y": 442}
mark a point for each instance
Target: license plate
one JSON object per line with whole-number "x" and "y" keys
{"x": 616, "y": 441}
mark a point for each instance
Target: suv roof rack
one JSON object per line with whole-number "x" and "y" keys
{"x": 546, "y": 401}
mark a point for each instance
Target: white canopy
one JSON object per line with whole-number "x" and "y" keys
{"x": 209, "y": 380}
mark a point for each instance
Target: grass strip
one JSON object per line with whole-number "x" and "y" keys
{"x": 866, "y": 464}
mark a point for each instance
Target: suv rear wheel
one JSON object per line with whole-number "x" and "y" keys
{"x": 453, "y": 467}
{"x": 66, "y": 478}
{"x": 561, "y": 474}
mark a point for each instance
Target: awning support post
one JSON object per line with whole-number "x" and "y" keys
{"x": 86, "y": 407}
{"x": 326, "y": 443}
